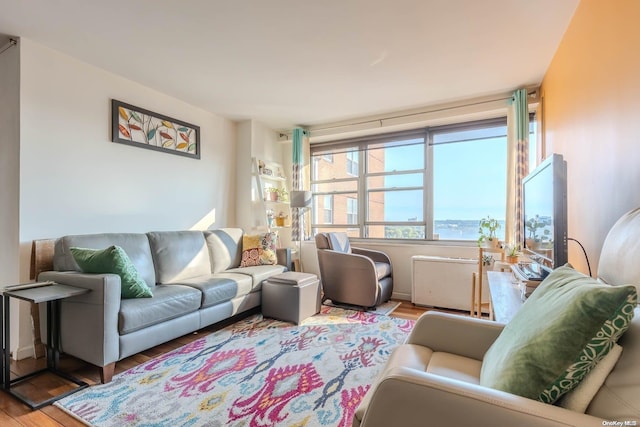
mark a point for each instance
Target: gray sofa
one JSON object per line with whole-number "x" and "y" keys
{"x": 195, "y": 277}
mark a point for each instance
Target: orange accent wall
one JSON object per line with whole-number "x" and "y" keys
{"x": 591, "y": 115}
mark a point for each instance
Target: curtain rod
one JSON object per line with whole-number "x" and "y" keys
{"x": 10, "y": 43}
{"x": 531, "y": 93}
{"x": 402, "y": 116}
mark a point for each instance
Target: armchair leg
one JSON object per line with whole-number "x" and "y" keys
{"x": 106, "y": 373}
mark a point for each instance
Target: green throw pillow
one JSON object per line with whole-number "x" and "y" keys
{"x": 116, "y": 261}
{"x": 562, "y": 331}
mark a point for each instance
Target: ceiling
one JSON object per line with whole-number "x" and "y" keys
{"x": 303, "y": 62}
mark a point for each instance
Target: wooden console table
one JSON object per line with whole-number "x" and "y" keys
{"x": 505, "y": 296}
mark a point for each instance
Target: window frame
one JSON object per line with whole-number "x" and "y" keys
{"x": 361, "y": 145}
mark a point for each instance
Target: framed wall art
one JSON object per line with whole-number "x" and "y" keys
{"x": 136, "y": 126}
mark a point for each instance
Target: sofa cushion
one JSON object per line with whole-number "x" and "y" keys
{"x": 113, "y": 260}
{"x": 225, "y": 248}
{"x": 561, "y": 332}
{"x": 220, "y": 287}
{"x": 179, "y": 255}
{"x": 168, "y": 302}
{"x": 135, "y": 245}
{"x": 259, "y": 273}
{"x": 259, "y": 249}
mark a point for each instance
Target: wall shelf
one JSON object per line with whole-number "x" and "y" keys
{"x": 271, "y": 209}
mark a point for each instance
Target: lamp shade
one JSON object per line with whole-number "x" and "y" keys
{"x": 300, "y": 199}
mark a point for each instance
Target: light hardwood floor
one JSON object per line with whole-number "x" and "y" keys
{"x": 15, "y": 413}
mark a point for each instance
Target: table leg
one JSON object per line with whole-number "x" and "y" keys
{"x": 6, "y": 344}
{"x": 55, "y": 333}
{"x": 2, "y": 342}
{"x": 49, "y": 335}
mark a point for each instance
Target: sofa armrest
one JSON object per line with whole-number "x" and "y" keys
{"x": 409, "y": 397}
{"x": 89, "y": 322}
{"x": 376, "y": 256}
{"x": 465, "y": 336}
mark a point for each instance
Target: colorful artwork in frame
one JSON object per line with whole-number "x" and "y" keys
{"x": 142, "y": 128}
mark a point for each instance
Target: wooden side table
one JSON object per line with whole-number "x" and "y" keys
{"x": 51, "y": 294}
{"x": 505, "y": 296}
{"x": 478, "y": 278}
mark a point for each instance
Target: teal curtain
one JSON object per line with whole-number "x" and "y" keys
{"x": 296, "y": 177}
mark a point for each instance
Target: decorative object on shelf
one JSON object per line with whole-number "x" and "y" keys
{"x": 511, "y": 253}
{"x": 143, "y": 128}
{"x": 270, "y": 218}
{"x": 280, "y": 219}
{"x": 260, "y": 167}
{"x": 267, "y": 172}
{"x": 487, "y": 230}
{"x": 283, "y": 195}
{"x": 273, "y": 193}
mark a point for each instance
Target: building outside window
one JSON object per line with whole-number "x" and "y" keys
{"x": 352, "y": 163}
{"x": 352, "y": 210}
{"x": 426, "y": 184}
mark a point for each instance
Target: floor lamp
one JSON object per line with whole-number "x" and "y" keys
{"x": 301, "y": 200}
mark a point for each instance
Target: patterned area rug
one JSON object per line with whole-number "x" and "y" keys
{"x": 256, "y": 372}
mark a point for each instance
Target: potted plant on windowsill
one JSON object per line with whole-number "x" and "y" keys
{"x": 487, "y": 230}
{"x": 511, "y": 253}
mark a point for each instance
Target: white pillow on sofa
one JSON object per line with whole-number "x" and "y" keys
{"x": 579, "y": 398}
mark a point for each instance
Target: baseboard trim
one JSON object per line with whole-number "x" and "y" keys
{"x": 401, "y": 296}
{"x": 23, "y": 353}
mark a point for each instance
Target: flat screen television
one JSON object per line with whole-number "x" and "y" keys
{"x": 544, "y": 193}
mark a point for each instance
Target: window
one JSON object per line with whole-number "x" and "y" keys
{"x": 432, "y": 183}
{"x": 469, "y": 179}
{"x": 328, "y": 209}
{"x": 352, "y": 210}
{"x": 352, "y": 163}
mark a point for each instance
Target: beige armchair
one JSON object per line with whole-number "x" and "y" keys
{"x": 434, "y": 378}
{"x": 350, "y": 275}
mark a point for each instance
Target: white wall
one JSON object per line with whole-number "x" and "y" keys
{"x": 74, "y": 180}
{"x": 10, "y": 170}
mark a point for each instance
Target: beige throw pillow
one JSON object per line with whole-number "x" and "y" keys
{"x": 580, "y": 397}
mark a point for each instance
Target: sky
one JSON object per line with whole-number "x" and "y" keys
{"x": 469, "y": 180}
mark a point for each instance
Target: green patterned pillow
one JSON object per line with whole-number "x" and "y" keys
{"x": 562, "y": 331}
{"x": 116, "y": 261}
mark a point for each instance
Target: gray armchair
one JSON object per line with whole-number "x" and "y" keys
{"x": 353, "y": 276}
